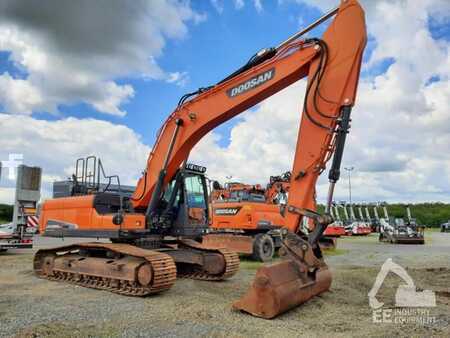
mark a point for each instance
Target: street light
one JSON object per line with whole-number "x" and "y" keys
{"x": 349, "y": 170}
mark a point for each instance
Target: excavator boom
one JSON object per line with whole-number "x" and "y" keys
{"x": 332, "y": 64}
{"x": 330, "y": 94}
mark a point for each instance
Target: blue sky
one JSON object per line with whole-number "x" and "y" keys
{"x": 64, "y": 93}
{"x": 210, "y": 51}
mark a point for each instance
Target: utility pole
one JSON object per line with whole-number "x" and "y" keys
{"x": 349, "y": 170}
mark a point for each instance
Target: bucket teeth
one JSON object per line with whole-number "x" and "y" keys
{"x": 282, "y": 286}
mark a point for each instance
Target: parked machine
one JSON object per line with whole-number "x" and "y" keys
{"x": 338, "y": 220}
{"x": 346, "y": 220}
{"x": 377, "y": 219}
{"x": 249, "y": 219}
{"x": 364, "y": 222}
{"x": 359, "y": 226}
{"x": 397, "y": 231}
{"x": 19, "y": 233}
{"x": 373, "y": 221}
{"x": 157, "y": 232}
{"x": 445, "y": 227}
{"x": 335, "y": 229}
{"x": 354, "y": 226}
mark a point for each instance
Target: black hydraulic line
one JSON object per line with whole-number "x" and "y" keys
{"x": 323, "y": 62}
{"x": 256, "y": 59}
{"x": 188, "y": 95}
{"x": 173, "y": 196}
{"x": 263, "y": 55}
{"x": 322, "y": 222}
{"x": 342, "y": 131}
{"x": 308, "y": 89}
{"x": 156, "y": 196}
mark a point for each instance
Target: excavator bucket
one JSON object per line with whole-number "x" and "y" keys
{"x": 282, "y": 286}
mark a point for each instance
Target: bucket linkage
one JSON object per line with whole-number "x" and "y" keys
{"x": 301, "y": 275}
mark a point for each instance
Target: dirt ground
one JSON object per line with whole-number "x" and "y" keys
{"x": 31, "y": 307}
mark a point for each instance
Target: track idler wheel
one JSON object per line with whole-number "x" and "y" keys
{"x": 48, "y": 264}
{"x": 285, "y": 285}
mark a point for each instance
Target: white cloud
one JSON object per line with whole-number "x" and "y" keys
{"x": 72, "y": 52}
{"x": 258, "y": 5}
{"x": 179, "y": 78}
{"x": 261, "y": 143}
{"x": 7, "y": 195}
{"x": 218, "y": 5}
{"x": 401, "y": 124}
{"x": 238, "y": 4}
{"x": 55, "y": 145}
{"x": 19, "y": 96}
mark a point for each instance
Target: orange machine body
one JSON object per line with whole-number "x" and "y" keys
{"x": 245, "y": 216}
{"x": 79, "y": 213}
{"x": 250, "y": 215}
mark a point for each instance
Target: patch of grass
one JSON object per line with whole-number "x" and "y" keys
{"x": 249, "y": 264}
{"x": 64, "y": 330}
{"x": 369, "y": 239}
{"x": 335, "y": 252}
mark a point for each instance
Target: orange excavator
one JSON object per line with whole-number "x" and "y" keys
{"x": 249, "y": 219}
{"x": 156, "y": 233}
{"x": 234, "y": 190}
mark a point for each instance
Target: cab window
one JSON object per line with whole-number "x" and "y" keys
{"x": 194, "y": 192}
{"x": 169, "y": 191}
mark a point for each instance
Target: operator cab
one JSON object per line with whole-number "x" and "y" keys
{"x": 183, "y": 209}
{"x": 245, "y": 195}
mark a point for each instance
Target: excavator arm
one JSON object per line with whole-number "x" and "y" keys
{"x": 332, "y": 65}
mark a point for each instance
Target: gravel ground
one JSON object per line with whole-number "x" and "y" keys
{"x": 31, "y": 307}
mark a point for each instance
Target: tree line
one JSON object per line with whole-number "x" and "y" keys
{"x": 428, "y": 214}
{"x": 6, "y": 213}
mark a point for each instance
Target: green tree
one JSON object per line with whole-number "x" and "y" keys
{"x": 6, "y": 213}
{"x": 428, "y": 214}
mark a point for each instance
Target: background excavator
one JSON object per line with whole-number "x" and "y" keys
{"x": 249, "y": 220}
{"x": 353, "y": 225}
{"x": 400, "y": 231}
{"x": 156, "y": 233}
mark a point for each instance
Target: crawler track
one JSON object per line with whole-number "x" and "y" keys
{"x": 231, "y": 263}
{"x": 162, "y": 266}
